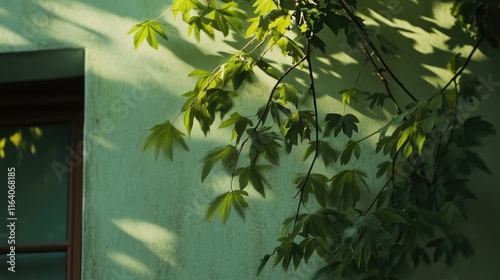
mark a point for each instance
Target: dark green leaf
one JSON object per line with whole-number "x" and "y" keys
{"x": 163, "y": 136}
{"x": 350, "y": 148}
{"x": 227, "y": 155}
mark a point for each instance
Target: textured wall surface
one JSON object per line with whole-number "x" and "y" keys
{"x": 143, "y": 219}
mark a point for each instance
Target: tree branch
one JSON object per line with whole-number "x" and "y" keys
{"x": 316, "y": 128}
{"x": 381, "y": 76}
{"x": 459, "y": 72}
{"x": 362, "y": 30}
{"x": 261, "y": 118}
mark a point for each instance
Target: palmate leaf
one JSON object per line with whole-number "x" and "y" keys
{"x": 264, "y": 142}
{"x": 276, "y": 22}
{"x": 352, "y": 147}
{"x": 473, "y": 130}
{"x": 298, "y": 126}
{"x": 184, "y": 7}
{"x": 204, "y": 106}
{"x": 276, "y": 109}
{"x": 198, "y": 24}
{"x": 147, "y": 30}
{"x": 253, "y": 174}
{"x": 450, "y": 246}
{"x": 327, "y": 153}
{"x": 239, "y": 123}
{"x": 290, "y": 48}
{"x": 227, "y": 155}
{"x": 346, "y": 188}
{"x": 263, "y": 7}
{"x": 351, "y": 94}
{"x": 336, "y": 122}
{"x": 316, "y": 184}
{"x": 287, "y": 252}
{"x": 224, "y": 202}
{"x": 287, "y": 93}
{"x": 162, "y": 137}
{"x": 377, "y": 98}
{"x": 365, "y": 238}
{"x": 227, "y": 15}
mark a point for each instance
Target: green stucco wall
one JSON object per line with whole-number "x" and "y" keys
{"x": 143, "y": 219}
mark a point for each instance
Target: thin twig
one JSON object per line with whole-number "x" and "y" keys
{"x": 459, "y": 72}
{"x": 362, "y": 30}
{"x": 380, "y": 74}
{"x": 378, "y": 195}
{"x": 316, "y": 128}
{"x": 261, "y": 118}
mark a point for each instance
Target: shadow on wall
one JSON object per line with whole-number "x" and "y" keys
{"x": 148, "y": 236}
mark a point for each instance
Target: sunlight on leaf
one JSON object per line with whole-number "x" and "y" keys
{"x": 162, "y": 137}
{"x": 147, "y": 30}
{"x": 16, "y": 139}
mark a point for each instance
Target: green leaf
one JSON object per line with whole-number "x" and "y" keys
{"x": 227, "y": 155}
{"x": 420, "y": 253}
{"x": 287, "y": 93}
{"x": 256, "y": 178}
{"x": 184, "y": 7}
{"x": 316, "y": 184}
{"x": 327, "y": 153}
{"x": 475, "y": 128}
{"x": 198, "y": 24}
{"x": 336, "y": 122}
{"x": 449, "y": 246}
{"x": 453, "y": 64}
{"x": 383, "y": 168}
{"x": 224, "y": 202}
{"x": 336, "y": 22}
{"x": 264, "y": 6}
{"x": 346, "y": 185}
{"x": 267, "y": 68}
{"x": 262, "y": 264}
{"x": 240, "y": 124}
{"x": 162, "y": 137}
{"x": 297, "y": 126}
{"x": 199, "y": 73}
{"x": 290, "y": 48}
{"x": 264, "y": 142}
{"x": 147, "y": 30}
{"x": 377, "y": 98}
{"x": 350, "y": 148}
{"x": 227, "y": 15}
{"x": 389, "y": 216}
{"x": 351, "y": 94}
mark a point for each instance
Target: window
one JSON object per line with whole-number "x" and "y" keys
{"x": 41, "y": 139}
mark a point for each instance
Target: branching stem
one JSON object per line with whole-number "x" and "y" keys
{"x": 316, "y": 130}
{"x": 261, "y": 118}
{"x": 459, "y": 72}
{"x": 365, "y": 37}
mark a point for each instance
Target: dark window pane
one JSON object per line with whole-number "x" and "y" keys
{"x": 38, "y": 154}
{"x": 35, "y": 266}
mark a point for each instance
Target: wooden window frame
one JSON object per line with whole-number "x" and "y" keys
{"x": 47, "y": 102}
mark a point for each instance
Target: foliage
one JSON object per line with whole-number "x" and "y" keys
{"x": 426, "y": 144}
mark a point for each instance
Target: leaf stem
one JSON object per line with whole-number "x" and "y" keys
{"x": 164, "y": 12}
